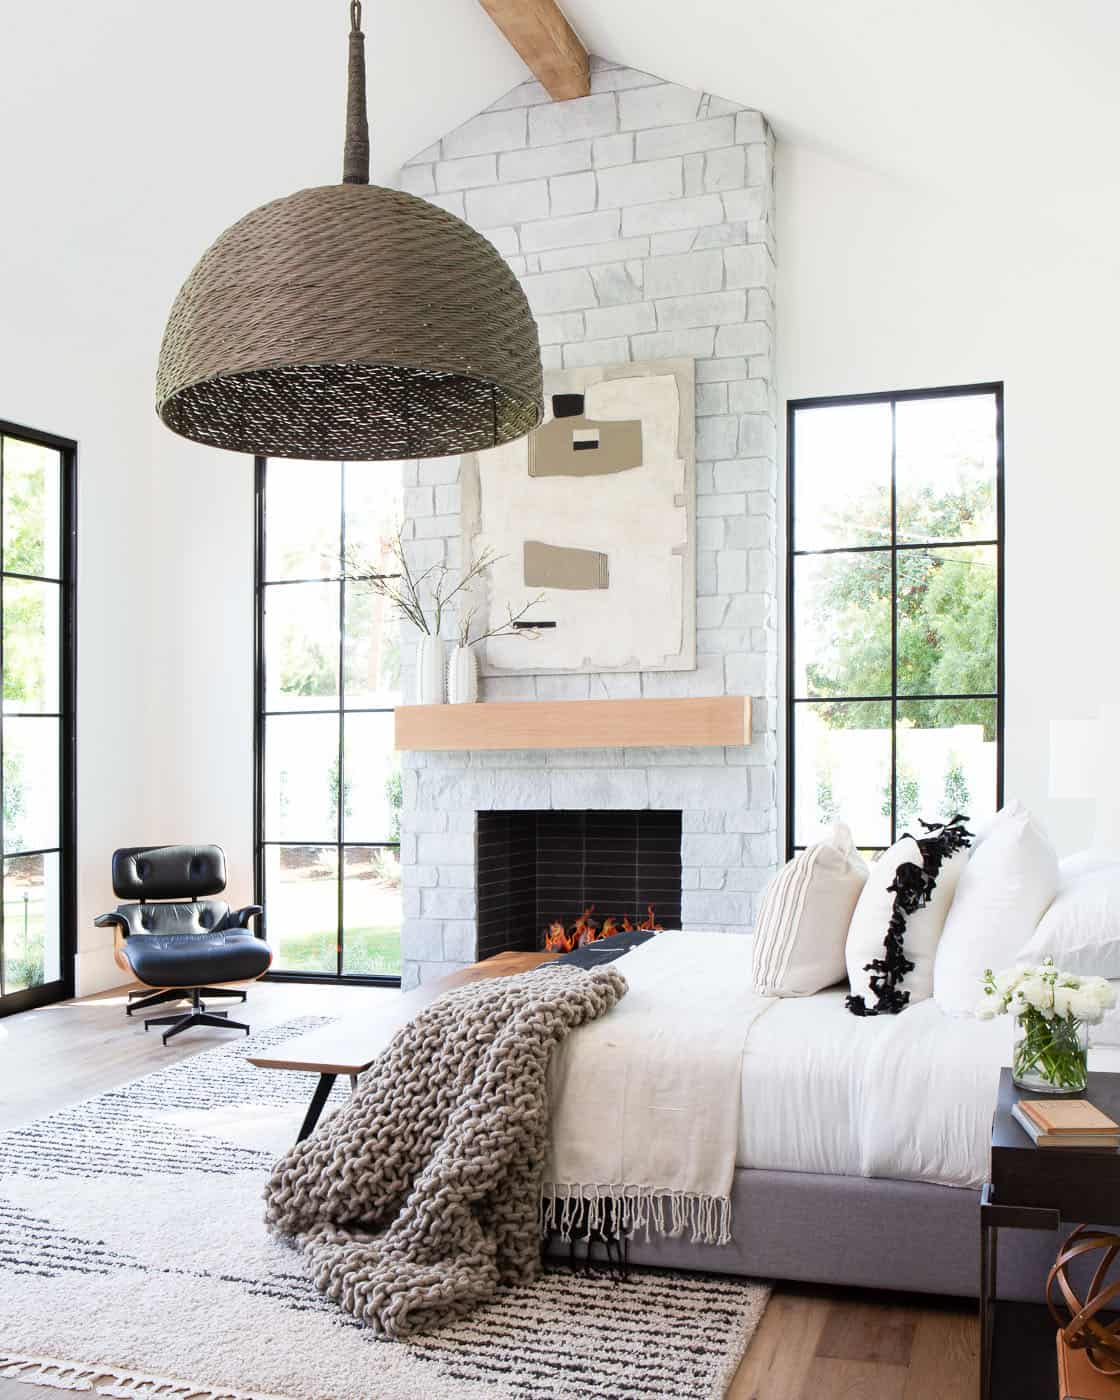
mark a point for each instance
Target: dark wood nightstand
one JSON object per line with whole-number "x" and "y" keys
{"x": 1032, "y": 1188}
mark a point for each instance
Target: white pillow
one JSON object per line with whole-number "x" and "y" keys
{"x": 1004, "y": 890}
{"x": 1081, "y": 929}
{"x": 1086, "y": 862}
{"x": 1011, "y": 811}
{"x": 803, "y": 921}
{"x": 871, "y": 921}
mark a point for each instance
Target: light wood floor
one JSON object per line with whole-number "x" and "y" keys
{"x": 812, "y": 1344}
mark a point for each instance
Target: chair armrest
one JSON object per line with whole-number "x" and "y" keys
{"x": 112, "y": 921}
{"x": 121, "y": 929}
{"x": 242, "y": 916}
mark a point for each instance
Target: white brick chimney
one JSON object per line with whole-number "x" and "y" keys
{"x": 640, "y": 222}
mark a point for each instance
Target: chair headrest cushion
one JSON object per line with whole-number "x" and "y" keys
{"x": 168, "y": 872}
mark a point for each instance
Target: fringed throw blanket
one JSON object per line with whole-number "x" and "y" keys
{"x": 420, "y": 1196}
{"x": 645, "y": 1118}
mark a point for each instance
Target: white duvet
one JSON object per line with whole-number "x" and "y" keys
{"x": 908, "y": 1096}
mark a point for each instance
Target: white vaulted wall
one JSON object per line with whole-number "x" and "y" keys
{"x": 639, "y": 220}
{"x": 131, "y": 134}
{"x": 885, "y": 285}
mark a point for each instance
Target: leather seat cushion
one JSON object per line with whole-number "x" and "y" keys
{"x": 189, "y": 916}
{"x": 195, "y": 959}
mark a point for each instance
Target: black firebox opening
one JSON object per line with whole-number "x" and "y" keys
{"x": 535, "y": 868}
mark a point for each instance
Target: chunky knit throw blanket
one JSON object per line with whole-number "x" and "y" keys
{"x": 420, "y": 1196}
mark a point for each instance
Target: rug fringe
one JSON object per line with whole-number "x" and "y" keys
{"x": 564, "y": 1208}
{"x": 106, "y": 1380}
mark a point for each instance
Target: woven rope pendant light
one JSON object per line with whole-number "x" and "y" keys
{"x": 350, "y": 322}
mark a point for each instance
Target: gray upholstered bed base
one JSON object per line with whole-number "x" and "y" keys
{"x": 862, "y": 1232}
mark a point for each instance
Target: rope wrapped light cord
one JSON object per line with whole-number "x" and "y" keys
{"x": 355, "y": 157}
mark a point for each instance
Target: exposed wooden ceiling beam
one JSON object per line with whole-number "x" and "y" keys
{"x": 546, "y": 41}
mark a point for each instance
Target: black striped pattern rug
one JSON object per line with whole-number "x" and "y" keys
{"x": 134, "y": 1263}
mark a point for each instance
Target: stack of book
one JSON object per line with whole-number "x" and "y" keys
{"x": 1067, "y": 1123}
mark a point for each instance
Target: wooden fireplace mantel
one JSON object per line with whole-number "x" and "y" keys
{"x": 711, "y": 721}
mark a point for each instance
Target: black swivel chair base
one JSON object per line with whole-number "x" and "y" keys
{"x": 196, "y": 1016}
{"x": 148, "y": 998}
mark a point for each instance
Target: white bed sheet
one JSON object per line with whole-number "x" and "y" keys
{"x": 909, "y": 1096}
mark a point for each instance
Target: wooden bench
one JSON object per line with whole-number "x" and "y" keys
{"x": 350, "y": 1045}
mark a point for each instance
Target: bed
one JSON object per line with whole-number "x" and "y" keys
{"x": 862, "y": 1146}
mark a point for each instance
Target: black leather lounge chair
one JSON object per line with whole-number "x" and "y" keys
{"x": 184, "y": 943}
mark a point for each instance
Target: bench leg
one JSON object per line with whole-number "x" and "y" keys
{"x": 315, "y": 1108}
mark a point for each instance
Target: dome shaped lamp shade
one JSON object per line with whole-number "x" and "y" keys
{"x": 350, "y": 323}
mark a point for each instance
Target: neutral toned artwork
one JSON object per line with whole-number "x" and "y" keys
{"x": 597, "y": 510}
{"x": 571, "y": 444}
{"x": 557, "y": 566}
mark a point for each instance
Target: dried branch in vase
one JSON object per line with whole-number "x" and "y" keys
{"x": 398, "y": 584}
{"x": 513, "y": 626}
{"x": 424, "y": 598}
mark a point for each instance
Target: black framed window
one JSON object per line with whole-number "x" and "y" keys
{"x": 328, "y": 679}
{"x": 37, "y": 656}
{"x": 894, "y": 611}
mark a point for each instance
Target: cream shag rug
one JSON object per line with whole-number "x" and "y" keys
{"x": 134, "y": 1262}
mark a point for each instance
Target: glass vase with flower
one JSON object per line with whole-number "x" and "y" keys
{"x": 1052, "y": 1012}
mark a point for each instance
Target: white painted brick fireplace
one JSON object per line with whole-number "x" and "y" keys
{"x": 640, "y": 222}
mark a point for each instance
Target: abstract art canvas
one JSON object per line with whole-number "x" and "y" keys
{"x": 596, "y": 511}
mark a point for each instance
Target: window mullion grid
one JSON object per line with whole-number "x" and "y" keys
{"x": 3, "y": 833}
{"x": 339, "y": 950}
{"x": 259, "y": 833}
{"x": 894, "y": 628}
{"x": 1001, "y": 684}
{"x": 339, "y": 710}
{"x": 31, "y": 578}
{"x": 895, "y": 548}
{"x": 900, "y": 546}
{"x": 791, "y": 630}
{"x": 871, "y": 699}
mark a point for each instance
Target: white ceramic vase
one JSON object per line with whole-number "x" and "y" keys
{"x": 430, "y": 671}
{"x": 462, "y": 676}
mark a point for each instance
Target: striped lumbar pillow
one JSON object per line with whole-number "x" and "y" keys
{"x": 802, "y": 927}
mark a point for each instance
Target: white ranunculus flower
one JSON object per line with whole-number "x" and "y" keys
{"x": 1101, "y": 990}
{"x": 1037, "y": 993}
{"x": 1046, "y": 990}
{"x": 990, "y": 1007}
{"x": 1085, "y": 1007}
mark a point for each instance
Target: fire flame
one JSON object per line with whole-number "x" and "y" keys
{"x": 558, "y": 939}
